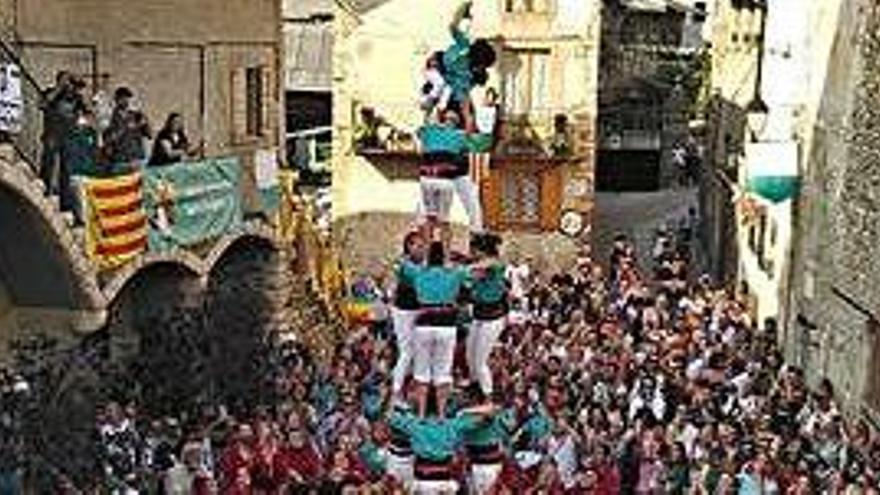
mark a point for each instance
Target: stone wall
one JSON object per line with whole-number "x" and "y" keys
{"x": 177, "y": 56}
{"x": 370, "y": 242}
{"x": 837, "y": 249}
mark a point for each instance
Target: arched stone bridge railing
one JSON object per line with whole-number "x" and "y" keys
{"x": 190, "y": 261}
{"x": 44, "y": 268}
{"x": 42, "y": 261}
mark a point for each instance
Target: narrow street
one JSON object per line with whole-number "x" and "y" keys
{"x": 639, "y": 215}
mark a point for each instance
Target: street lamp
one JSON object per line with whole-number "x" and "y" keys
{"x": 757, "y": 110}
{"x": 757, "y": 114}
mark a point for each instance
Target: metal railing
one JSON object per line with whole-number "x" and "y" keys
{"x": 310, "y": 149}
{"x": 27, "y": 140}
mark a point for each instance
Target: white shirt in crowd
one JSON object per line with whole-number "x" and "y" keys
{"x": 564, "y": 453}
{"x": 518, "y": 276}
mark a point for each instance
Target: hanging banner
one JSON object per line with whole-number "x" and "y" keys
{"x": 11, "y": 102}
{"x": 191, "y": 202}
{"x": 116, "y": 225}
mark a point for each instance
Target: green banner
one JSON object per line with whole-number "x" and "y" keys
{"x": 191, "y": 202}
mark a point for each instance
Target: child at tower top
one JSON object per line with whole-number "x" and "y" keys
{"x": 435, "y": 93}
{"x": 466, "y": 64}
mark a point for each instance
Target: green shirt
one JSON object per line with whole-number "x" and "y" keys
{"x": 81, "y": 148}
{"x": 487, "y": 433}
{"x": 491, "y": 287}
{"x": 456, "y": 60}
{"x": 437, "y": 138}
{"x": 434, "y": 439}
{"x": 372, "y": 457}
{"x": 436, "y": 285}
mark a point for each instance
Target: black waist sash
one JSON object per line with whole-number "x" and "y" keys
{"x": 430, "y": 470}
{"x": 442, "y": 315}
{"x": 485, "y": 454}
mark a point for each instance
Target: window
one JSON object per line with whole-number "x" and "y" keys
{"x": 525, "y": 81}
{"x": 523, "y": 195}
{"x": 254, "y": 125}
{"x": 251, "y": 95}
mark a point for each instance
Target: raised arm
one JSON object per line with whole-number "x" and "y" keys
{"x": 463, "y": 12}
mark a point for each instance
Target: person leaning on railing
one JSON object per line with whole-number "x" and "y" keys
{"x": 171, "y": 144}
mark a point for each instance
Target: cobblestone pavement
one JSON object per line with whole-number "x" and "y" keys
{"x": 638, "y": 215}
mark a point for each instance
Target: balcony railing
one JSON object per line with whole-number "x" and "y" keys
{"x": 169, "y": 208}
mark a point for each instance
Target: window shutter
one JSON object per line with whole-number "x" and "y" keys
{"x": 551, "y": 198}
{"x": 267, "y": 87}
{"x": 238, "y": 104}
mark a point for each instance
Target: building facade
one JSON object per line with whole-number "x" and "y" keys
{"x": 546, "y": 73}
{"x": 218, "y": 67}
{"x": 833, "y": 303}
{"x": 650, "y": 50}
{"x": 308, "y": 82}
{"x": 735, "y": 29}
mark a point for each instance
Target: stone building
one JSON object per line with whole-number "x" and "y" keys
{"x": 219, "y": 67}
{"x": 548, "y": 55}
{"x": 834, "y": 302}
{"x": 648, "y": 47}
{"x": 308, "y": 81}
{"x": 735, "y": 29}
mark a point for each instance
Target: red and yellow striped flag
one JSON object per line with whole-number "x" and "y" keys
{"x": 116, "y": 223}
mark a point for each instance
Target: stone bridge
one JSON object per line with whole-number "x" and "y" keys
{"x": 49, "y": 285}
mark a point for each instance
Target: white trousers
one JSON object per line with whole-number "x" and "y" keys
{"x": 404, "y": 322}
{"x": 435, "y": 488}
{"x": 437, "y": 196}
{"x": 436, "y": 200}
{"x": 403, "y": 470}
{"x": 469, "y": 196}
{"x": 483, "y": 477}
{"x": 434, "y": 352}
{"x": 481, "y": 338}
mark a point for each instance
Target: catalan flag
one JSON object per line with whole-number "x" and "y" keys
{"x": 116, "y": 223}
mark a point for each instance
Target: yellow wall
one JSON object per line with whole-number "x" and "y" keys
{"x": 379, "y": 57}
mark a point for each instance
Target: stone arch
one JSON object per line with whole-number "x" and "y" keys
{"x": 252, "y": 231}
{"x": 244, "y": 309}
{"x": 46, "y": 276}
{"x": 155, "y": 330}
{"x": 186, "y": 260}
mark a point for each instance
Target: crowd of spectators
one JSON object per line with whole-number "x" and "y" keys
{"x": 610, "y": 381}
{"x": 100, "y": 135}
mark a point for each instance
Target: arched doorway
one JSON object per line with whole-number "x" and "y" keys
{"x": 42, "y": 290}
{"x": 244, "y": 315}
{"x": 157, "y": 346}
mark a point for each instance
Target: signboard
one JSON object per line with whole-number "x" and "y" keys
{"x": 11, "y": 103}
{"x": 191, "y": 202}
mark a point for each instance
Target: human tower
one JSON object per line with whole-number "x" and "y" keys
{"x": 433, "y": 293}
